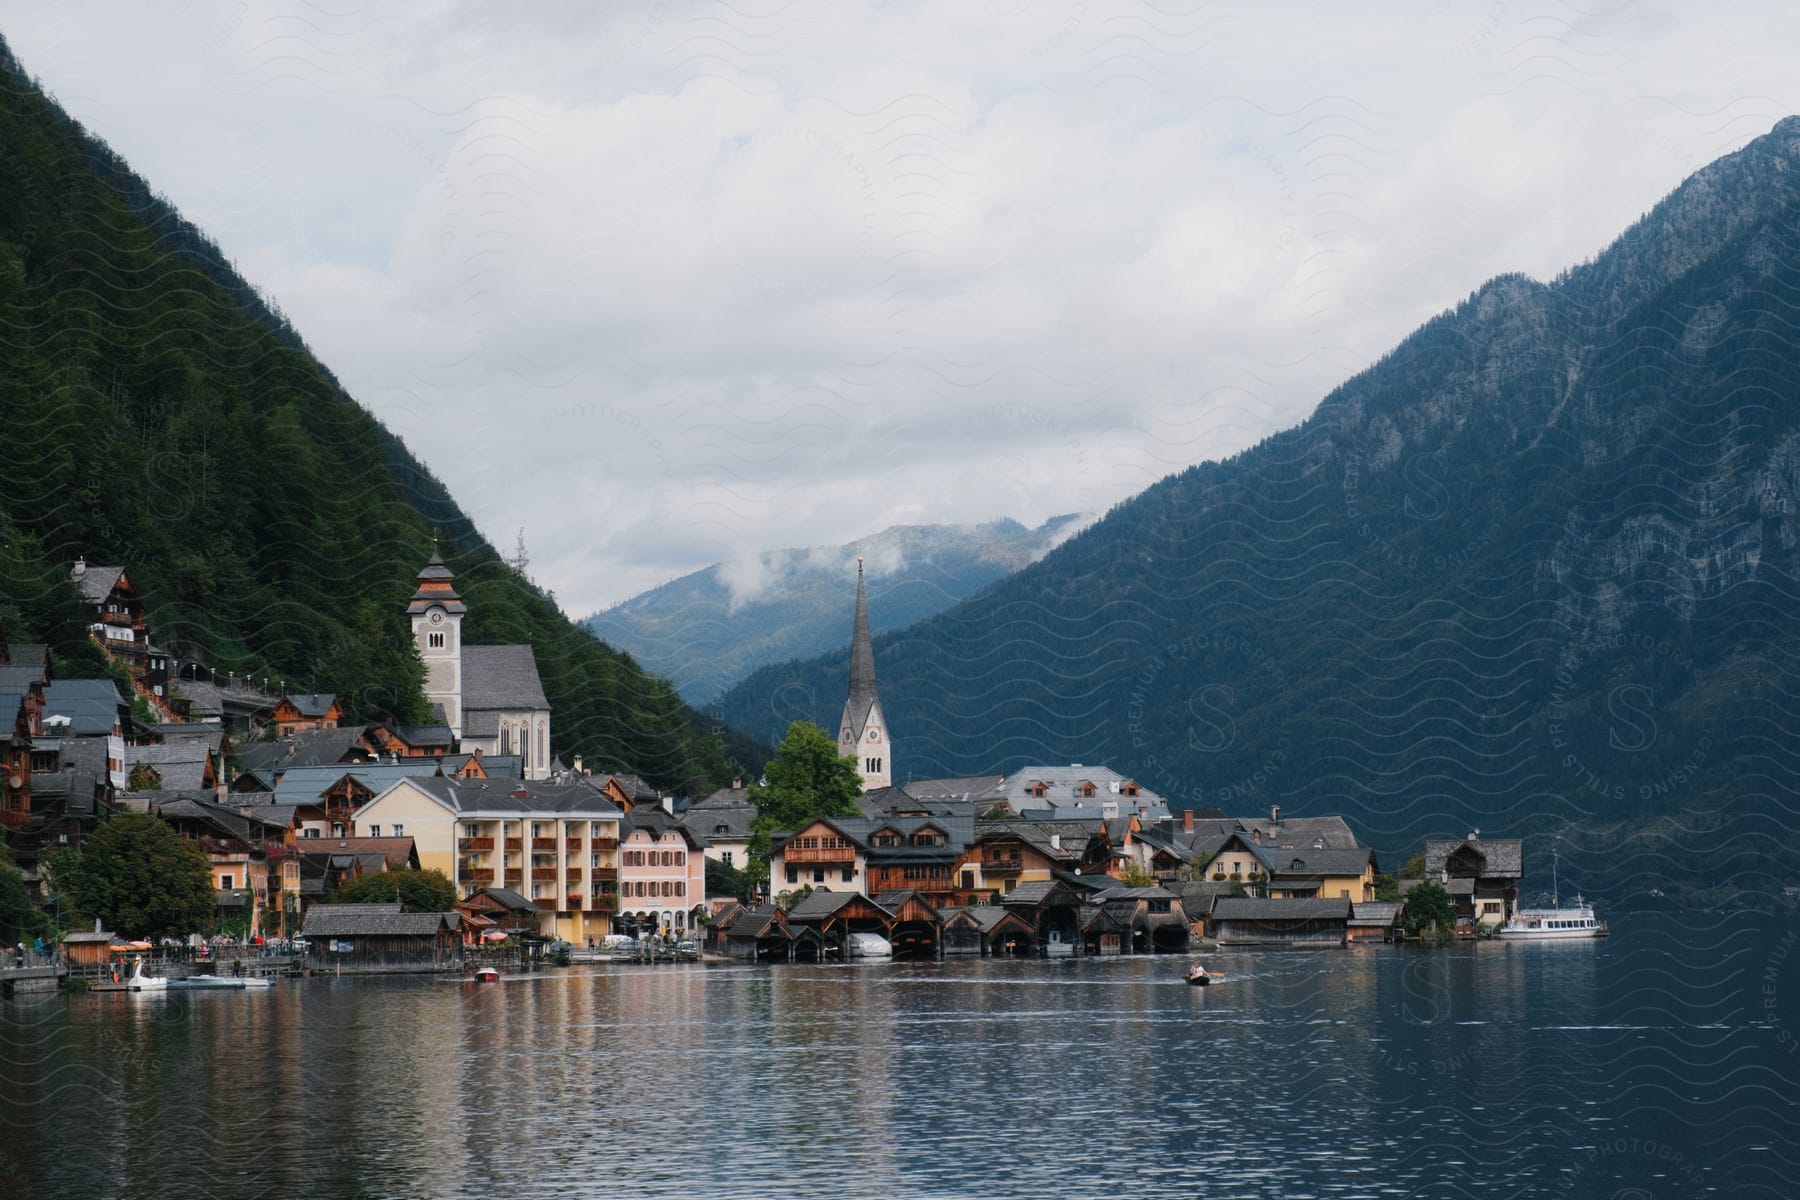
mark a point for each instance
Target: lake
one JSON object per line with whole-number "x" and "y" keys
{"x": 1660, "y": 1062}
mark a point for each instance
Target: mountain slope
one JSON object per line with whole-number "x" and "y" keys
{"x": 156, "y": 411}
{"x": 709, "y": 629}
{"x": 1533, "y": 572}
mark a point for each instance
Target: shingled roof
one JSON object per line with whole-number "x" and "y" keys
{"x": 500, "y": 678}
{"x": 92, "y": 705}
{"x": 1502, "y": 857}
{"x": 1256, "y": 908}
{"x": 353, "y": 920}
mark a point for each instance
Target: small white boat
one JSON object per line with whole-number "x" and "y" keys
{"x": 487, "y": 975}
{"x": 1055, "y": 947}
{"x": 140, "y": 982}
{"x": 870, "y": 945}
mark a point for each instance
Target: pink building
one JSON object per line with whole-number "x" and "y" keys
{"x": 662, "y": 871}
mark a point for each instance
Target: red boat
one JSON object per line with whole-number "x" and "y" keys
{"x": 487, "y": 975}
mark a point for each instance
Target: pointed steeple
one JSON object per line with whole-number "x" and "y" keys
{"x": 864, "y": 734}
{"x": 436, "y": 586}
{"x": 862, "y": 659}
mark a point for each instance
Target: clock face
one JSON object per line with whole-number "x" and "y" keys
{"x": 437, "y": 618}
{"x": 874, "y": 735}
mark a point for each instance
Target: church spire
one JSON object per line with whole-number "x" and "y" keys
{"x": 864, "y": 732}
{"x": 862, "y": 655}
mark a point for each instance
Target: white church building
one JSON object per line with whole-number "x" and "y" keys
{"x": 864, "y": 732}
{"x": 489, "y": 696}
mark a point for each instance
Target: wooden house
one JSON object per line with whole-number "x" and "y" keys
{"x": 306, "y": 710}
{"x": 833, "y": 917}
{"x": 758, "y": 935}
{"x": 1481, "y": 875}
{"x": 1052, "y": 909}
{"x": 1252, "y": 920}
{"x": 89, "y": 949}
{"x": 378, "y": 938}
{"x": 918, "y": 929}
{"x": 1375, "y": 921}
{"x": 989, "y": 930}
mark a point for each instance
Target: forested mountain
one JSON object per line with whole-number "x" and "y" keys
{"x": 1533, "y": 573}
{"x": 707, "y": 630}
{"x": 157, "y": 412}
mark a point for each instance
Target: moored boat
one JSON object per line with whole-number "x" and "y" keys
{"x": 140, "y": 982}
{"x": 487, "y": 975}
{"x": 1559, "y": 923}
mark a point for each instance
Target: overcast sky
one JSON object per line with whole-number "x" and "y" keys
{"x": 669, "y": 283}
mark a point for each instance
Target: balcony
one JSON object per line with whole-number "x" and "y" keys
{"x": 604, "y": 902}
{"x": 605, "y": 875}
{"x": 606, "y": 843}
{"x": 813, "y": 854}
{"x": 544, "y": 874}
{"x": 573, "y": 902}
{"x": 572, "y": 845}
{"x": 546, "y": 903}
{"x": 538, "y": 843}
{"x": 511, "y": 846}
{"x": 475, "y": 843}
{"x": 1000, "y": 864}
{"x": 481, "y": 875}
{"x": 572, "y": 875}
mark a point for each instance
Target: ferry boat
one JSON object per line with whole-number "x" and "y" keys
{"x": 1559, "y": 922}
{"x": 1553, "y": 924}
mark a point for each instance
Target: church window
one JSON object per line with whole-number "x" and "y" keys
{"x": 437, "y": 641}
{"x": 874, "y": 735}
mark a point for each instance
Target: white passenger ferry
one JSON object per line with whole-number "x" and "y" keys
{"x": 1556, "y": 923}
{"x": 1564, "y": 921}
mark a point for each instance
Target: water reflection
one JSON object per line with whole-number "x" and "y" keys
{"x": 1475, "y": 1069}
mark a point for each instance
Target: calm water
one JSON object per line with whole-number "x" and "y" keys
{"x": 1662, "y": 1062}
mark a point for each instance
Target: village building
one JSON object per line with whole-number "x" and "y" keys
{"x": 255, "y": 872}
{"x": 489, "y": 697}
{"x": 89, "y": 709}
{"x": 1252, "y": 920}
{"x": 863, "y": 732}
{"x": 379, "y": 938}
{"x": 118, "y": 623}
{"x": 1319, "y": 872}
{"x": 722, "y": 821}
{"x": 1481, "y": 875}
{"x": 556, "y": 842}
{"x": 306, "y": 710}
{"x": 662, "y": 872}
{"x": 1072, "y": 792}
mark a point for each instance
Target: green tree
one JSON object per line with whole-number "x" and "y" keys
{"x": 19, "y": 920}
{"x": 722, "y": 880}
{"x": 1135, "y": 876}
{"x": 138, "y": 876}
{"x": 1414, "y": 867}
{"x": 806, "y": 779}
{"x": 143, "y": 779}
{"x": 417, "y": 891}
{"x": 1387, "y": 887}
{"x": 1428, "y": 907}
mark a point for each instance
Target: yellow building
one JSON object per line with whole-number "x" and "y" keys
{"x": 554, "y": 842}
{"x": 1326, "y": 874}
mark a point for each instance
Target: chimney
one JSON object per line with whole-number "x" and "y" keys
{"x": 737, "y": 784}
{"x": 1256, "y": 836}
{"x": 1187, "y": 820}
{"x": 1274, "y": 817}
{"x": 578, "y": 769}
{"x": 77, "y": 572}
{"x": 1056, "y": 841}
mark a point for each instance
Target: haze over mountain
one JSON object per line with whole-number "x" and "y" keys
{"x": 709, "y": 629}
{"x": 1533, "y": 572}
{"x": 162, "y": 414}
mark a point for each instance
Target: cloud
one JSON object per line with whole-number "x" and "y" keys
{"x": 678, "y": 284}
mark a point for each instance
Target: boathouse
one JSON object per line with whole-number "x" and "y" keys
{"x": 758, "y": 935}
{"x": 1250, "y": 920}
{"x": 834, "y": 916}
{"x": 373, "y": 938}
{"x": 1053, "y": 909}
{"x": 918, "y": 930}
{"x": 990, "y": 930}
{"x": 1374, "y": 921}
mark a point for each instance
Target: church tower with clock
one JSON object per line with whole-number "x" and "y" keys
{"x": 863, "y": 733}
{"x": 436, "y": 612}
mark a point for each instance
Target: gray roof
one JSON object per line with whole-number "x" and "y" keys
{"x": 202, "y": 731}
{"x": 204, "y": 699}
{"x": 500, "y": 678}
{"x": 574, "y": 796}
{"x": 973, "y": 788}
{"x": 312, "y": 704}
{"x": 424, "y": 735}
{"x": 96, "y": 582}
{"x": 303, "y": 748}
{"x": 1063, "y": 785}
{"x": 1374, "y": 912}
{"x": 91, "y": 704}
{"x": 28, "y": 654}
{"x": 720, "y": 822}
{"x": 179, "y": 765}
{"x": 1256, "y": 908}
{"x": 303, "y": 785}
{"x": 752, "y": 922}
{"x": 820, "y": 903}
{"x": 656, "y": 822}
{"x": 15, "y": 678}
{"x": 352, "y": 920}
{"x": 1308, "y": 861}
{"x": 512, "y": 901}
{"x": 1500, "y": 857}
